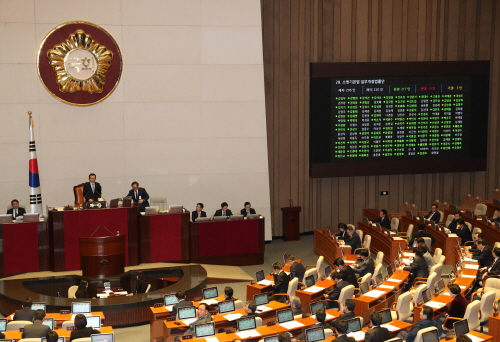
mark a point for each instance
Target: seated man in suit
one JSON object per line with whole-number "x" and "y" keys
{"x": 223, "y": 211}
{"x": 346, "y": 272}
{"x": 139, "y": 195}
{"x": 37, "y": 329}
{"x": 434, "y": 214}
{"x": 427, "y": 255}
{"x": 182, "y": 302}
{"x": 368, "y": 265}
{"x": 473, "y": 247}
{"x": 320, "y": 319}
{"x": 198, "y": 212}
{"x": 15, "y": 211}
{"x": 341, "y": 328}
{"x": 497, "y": 219}
{"x": 335, "y": 294}
{"x": 421, "y": 234}
{"x": 342, "y": 231}
{"x": 494, "y": 268}
{"x": 349, "y": 306}
{"x": 418, "y": 267}
{"x": 92, "y": 190}
{"x": 247, "y": 210}
{"x": 425, "y": 321}
{"x": 52, "y": 336}
{"x": 383, "y": 219}
{"x": 352, "y": 240}
{"x": 297, "y": 270}
{"x": 483, "y": 255}
{"x": 281, "y": 281}
{"x": 463, "y": 231}
{"x": 453, "y": 225}
{"x": 25, "y": 314}
{"x": 296, "y": 305}
{"x": 203, "y": 316}
{"x": 377, "y": 333}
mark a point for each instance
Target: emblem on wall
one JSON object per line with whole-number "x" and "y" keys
{"x": 79, "y": 63}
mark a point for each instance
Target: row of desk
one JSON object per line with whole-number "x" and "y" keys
{"x": 53, "y": 245}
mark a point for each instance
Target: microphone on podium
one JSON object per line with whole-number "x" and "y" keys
{"x": 104, "y": 228}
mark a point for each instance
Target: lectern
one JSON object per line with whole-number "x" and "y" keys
{"x": 102, "y": 256}
{"x": 291, "y": 223}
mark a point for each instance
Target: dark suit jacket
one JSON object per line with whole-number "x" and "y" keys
{"x": 377, "y": 334}
{"x": 244, "y": 212}
{"x": 20, "y": 212}
{"x": 344, "y": 338}
{"x": 87, "y": 191}
{"x": 349, "y": 275}
{"x": 323, "y": 325}
{"x": 452, "y": 226}
{"x": 2, "y": 335}
{"x": 206, "y": 319}
{"x": 354, "y": 241}
{"x": 384, "y": 222}
{"x": 342, "y": 235}
{"x": 473, "y": 248}
{"x": 436, "y": 216}
{"x": 346, "y": 316}
{"x": 495, "y": 269}
{"x": 219, "y": 212}
{"x": 194, "y": 215}
{"x": 418, "y": 267}
{"x": 183, "y": 303}
{"x": 281, "y": 284}
{"x": 422, "y": 324}
{"x": 484, "y": 257}
{"x": 368, "y": 266}
{"x": 337, "y": 289}
{"x": 464, "y": 234}
{"x": 421, "y": 234}
{"x": 25, "y": 314}
{"x": 297, "y": 270}
{"x": 82, "y": 333}
{"x": 35, "y": 330}
{"x": 141, "y": 288}
{"x": 496, "y": 219}
{"x": 142, "y": 194}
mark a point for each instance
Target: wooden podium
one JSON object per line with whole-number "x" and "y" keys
{"x": 102, "y": 256}
{"x": 291, "y": 223}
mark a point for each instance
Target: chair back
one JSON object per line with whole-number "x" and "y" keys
{"x": 472, "y": 314}
{"x": 67, "y": 324}
{"x": 432, "y": 281}
{"x": 468, "y": 203}
{"x": 349, "y": 225}
{"x": 492, "y": 284}
{"x": 437, "y": 253}
{"x": 409, "y": 231}
{"x": 366, "y": 278}
{"x": 83, "y": 339}
{"x": 419, "y": 338}
{"x": 377, "y": 270}
{"x": 238, "y": 304}
{"x": 441, "y": 215}
{"x": 258, "y": 321}
{"x": 360, "y": 233}
{"x": 449, "y": 219}
{"x": 360, "y": 320}
{"x": 72, "y": 291}
{"x": 346, "y": 293}
{"x": 403, "y": 306}
{"x": 395, "y": 223}
{"x": 468, "y": 225}
{"x": 497, "y": 244}
{"x": 495, "y": 214}
{"x": 160, "y": 201}
{"x": 292, "y": 287}
{"x": 438, "y": 269}
{"x": 441, "y": 260}
{"x": 78, "y": 192}
{"x": 486, "y": 307}
{"x": 30, "y": 339}
{"x": 328, "y": 333}
{"x": 414, "y": 210}
{"x": 476, "y": 230}
{"x": 480, "y": 209}
{"x": 320, "y": 266}
{"x": 380, "y": 258}
{"x": 16, "y": 325}
{"x": 417, "y": 297}
{"x": 367, "y": 242}
{"x": 309, "y": 272}
{"x": 428, "y": 242}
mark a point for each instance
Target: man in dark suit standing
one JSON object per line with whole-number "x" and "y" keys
{"x": 247, "y": 210}
{"x": 92, "y": 190}
{"x": 15, "y": 211}
{"x": 341, "y": 328}
{"x": 421, "y": 233}
{"x": 339, "y": 285}
{"x": 418, "y": 267}
{"x": 182, "y": 302}
{"x": 37, "y": 329}
{"x": 198, "y": 212}
{"x": 352, "y": 240}
{"x": 383, "y": 219}
{"x": 139, "y": 195}
{"x": 377, "y": 333}
{"x": 434, "y": 214}
{"x": 463, "y": 231}
{"x": 368, "y": 265}
{"x": 281, "y": 281}
{"x": 346, "y": 272}
{"x": 25, "y": 314}
{"x": 297, "y": 270}
{"x": 224, "y": 211}
{"x": 494, "y": 268}
{"x": 453, "y": 225}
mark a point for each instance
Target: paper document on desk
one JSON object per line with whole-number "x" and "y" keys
{"x": 169, "y": 307}
{"x": 385, "y": 287}
{"x": 210, "y": 301}
{"x": 467, "y": 276}
{"x": 475, "y": 338}
{"x": 233, "y": 317}
{"x": 328, "y": 316}
{"x": 472, "y": 267}
{"x": 291, "y": 325}
{"x": 406, "y": 261}
{"x": 446, "y": 293}
{"x": 398, "y": 238}
{"x": 462, "y": 287}
{"x": 357, "y": 335}
{"x": 408, "y": 254}
{"x": 349, "y": 262}
{"x": 265, "y": 282}
{"x": 395, "y": 280}
{"x": 120, "y": 293}
{"x": 436, "y": 305}
{"x": 470, "y": 260}
{"x": 189, "y": 321}
{"x": 452, "y": 235}
{"x": 211, "y": 339}
{"x": 389, "y": 327}
{"x": 314, "y": 289}
{"x": 263, "y": 308}
{"x": 102, "y": 295}
{"x": 374, "y": 293}
{"x": 248, "y": 333}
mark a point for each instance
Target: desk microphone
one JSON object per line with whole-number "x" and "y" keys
{"x": 104, "y": 228}
{"x": 290, "y": 201}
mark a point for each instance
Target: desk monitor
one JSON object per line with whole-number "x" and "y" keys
{"x": 497, "y": 224}
{"x": 430, "y": 336}
{"x": 426, "y": 295}
{"x": 496, "y": 202}
{"x": 152, "y": 210}
{"x": 170, "y": 299}
{"x": 220, "y": 218}
{"x": 236, "y": 217}
{"x": 409, "y": 213}
{"x": 440, "y": 286}
{"x": 309, "y": 281}
{"x": 285, "y": 315}
{"x": 260, "y": 275}
{"x": 3, "y": 324}
{"x": 364, "y": 287}
{"x": 469, "y": 213}
{"x": 38, "y": 306}
{"x": 226, "y": 306}
{"x": 379, "y": 280}
{"x": 485, "y": 220}
{"x": 386, "y": 316}
{"x": 246, "y": 323}
{"x": 186, "y": 312}
{"x": 127, "y": 202}
{"x": 5, "y": 219}
{"x": 433, "y": 224}
{"x": 266, "y": 339}
{"x": 379, "y": 227}
{"x": 366, "y": 220}
{"x": 315, "y": 306}
{"x": 109, "y": 337}
{"x": 204, "y": 329}
{"x": 49, "y": 322}
{"x": 342, "y": 253}
{"x": 261, "y": 299}
{"x": 461, "y": 327}
{"x": 31, "y": 217}
{"x": 203, "y": 219}
{"x": 107, "y": 284}
{"x": 458, "y": 244}
{"x": 44, "y": 339}
{"x": 353, "y": 325}
{"x": 253, "y": 216}
{"x": 94, "y": 322}
{"x": 421, "y": 218}
{"x": 114, "y": 203}
{"x": 328, "y": 271}
{"x": 315, "y": 334}
{"x": 210, "y": 292}
{"x": 453, "y": 207}
{"x": 389, "y": 271}
{"x": 175, "y": 209}
{"x": 80, "y": 308}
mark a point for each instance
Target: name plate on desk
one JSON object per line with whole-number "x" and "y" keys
{"x": 94, "y": 205}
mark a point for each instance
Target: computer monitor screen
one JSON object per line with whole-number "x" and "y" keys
{"x": 389, "y": 271}
{"x": 328, "y": 271}
{"x": 204, "y": 329}
{"x": 379, "y": 280}
{"x": 271, "y": 338}
{"x": 469, "y": 213}
{"x": 175, "y": 209}
{"x": 458, "y": 244}
{"x": 169, "y": 299}
{"x": 453, "y": 207}
{"x": 260, "y": 275}
{"x": 109, "y": 337}
{"x": 315, "y": 306}
{"x": 461, "y": 327}
{"x": 386, "y": 315}
{"x": 310, "y": 281}
{"x": 430, "y": 336}
{"x": 80, "y": 308}
{"x": 3, "y": 324}
{"x": 49, "y": 322}
{"x": 409, "y": 213}
{"x": 94, "y": 322}
{"x": 246, "y": 323}
{"x": 440, "y": 285}
{"x": 187, "y": 312}
{"x": 210, "y": 292}
{"x": 285, "y": 315}
{"x": 342, "y": 253}
{"x": 364, "y": 287}
{"x": 261, "y": 299}
{"x": 426, "y": 295}
{"x": 315, "y": 334}
{"x": 226, "y": 306}
{"x": 44, "y": 339}
{"x": 38, "y": 306}
{"x": 496, "y": 201}
{"x": 366, "y": 220}
{"x": 107, "y": 284}
{"x": 353, "y": 325}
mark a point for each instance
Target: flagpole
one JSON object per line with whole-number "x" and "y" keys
{"x": 34, "y": 177}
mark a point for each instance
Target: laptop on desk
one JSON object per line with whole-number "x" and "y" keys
{"x": 175, "y": 209}
{"x": 353, "y": 325}
{"x": 461, "y": 327}
{"x": 386, "y": 316}
{"x": 31, "y": 217}
{"x": 94, "y": 322}
{"x": 328, "y": 271}
{"x": 108, "y": 337}
{"x": 38, "y": 306}
{"x": 152, "y": 210}
{"x": 309, "y": 281}
{"x": 127, "y": 202}
{"x": 271, "y": 338}
{"x": 409, "y": 213}
{"x": 170, "y": 299}
{"x": 3, "y": 325}
{"x": 5, "y": 219}
{"x": 259, "y": 275}
{"x": 186, "y": 313}
{"x": 210, "y": 292}
{"x": 83, "y": 308}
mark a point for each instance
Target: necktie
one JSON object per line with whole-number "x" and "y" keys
{"x": 15, "y": 213}
{"x": 136, "y": 194}
{"x": 93, "y": 189}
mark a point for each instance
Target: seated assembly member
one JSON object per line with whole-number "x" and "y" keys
{"x": 352, "y": 240}
{"x": 81, "y": 330}
{"x": 181, "y": 297}
{"x": 139, "y": 195}
{"x": 368, "y": 265}
{"x": 383, "y": 219}
{"x": 341, "y": 328}
{"x": 198, "y": 212}
{"x": 335, "y": 294}
{"x": 281, "y": 281}
{"x": 421, "y": 234}
{"x": 342, "y": 234}
{"x": 250, "y": 308}
{"x": 453, "y": 224}
{"x": 203, "y": 317}
{"x": 456, "y": 308}
{"x": 37, "y": 329}
{"x": 52, "y": 336}
{"x": 224, "y": 211}
{"x": 92, "y": 190}
{"x": 463, "y": 231}
{"x": 377, "y": 333}
{"x": 434, "y": 214}
{"x": 25, "y": 314}
{"x": 494, "y": 269}
{"x": 82, "y": 290}
{"x": 296, "y": 305}
{"x": 247, "y": 210}
{"x": 347, "y": 273}
{"x": 426, "y": 321}
{"x": 297, "y": 270}
{"x": 15, "y": 211}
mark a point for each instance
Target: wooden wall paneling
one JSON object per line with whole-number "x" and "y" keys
{"x": 397, "y": 27}
{"x": 372, "y": 202}
{"x": 358, "y": 197}
{"x": 421, "y": 30}
{"x": 409, "y": 186}
{"x": 461, "y": 29}
{"x": 404, "y": 29}
{"x": 294, "y": 99}
{"x": 346, "y": 32}
{"x": 441, "y": 51}
{"x": 485, "y": 29}
{"x": 327, "y": 31}
{"x": 393, "y": 198}
{"x": 386, "y": 31}
{"x": 337, "y": 30}
{"x": 383, "y": 184}
{"x": 343, "y": 196}
{"x": 434, "y": 30}
{"x": 453, "y": 32}
{"x": 411, "y": 37}
{"x": 493, "y": 174}
{"x": 353, "y": 29}
{"x": 361, "y": 29}
{"x": 325, "y": 218}
{"x": 335, "y": 200}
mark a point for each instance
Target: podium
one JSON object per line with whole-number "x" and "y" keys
{"x": 102, "y": 256}
{"x": 291, "y": 223}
